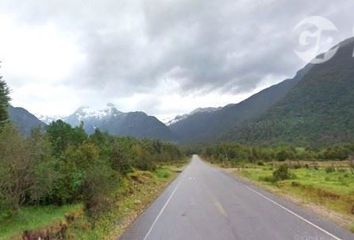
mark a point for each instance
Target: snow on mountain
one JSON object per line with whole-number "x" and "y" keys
{"x": 86, "y": 112}
{"x": 115, "y": 122}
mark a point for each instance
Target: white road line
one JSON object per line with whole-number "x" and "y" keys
{"x": 293, "y": 213}
{"x": 161, "y": 211}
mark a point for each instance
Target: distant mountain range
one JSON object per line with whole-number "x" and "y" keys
{"x": 135, "y": 124}
{"x": 315, "y": 106}
{"x": 108, "y": 119}
{"x": 205, "y": 126}
{"x": 318, "y": 110}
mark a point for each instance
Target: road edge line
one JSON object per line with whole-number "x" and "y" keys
{"x": 161, "y": 211}
{"x": 293, "y": 213}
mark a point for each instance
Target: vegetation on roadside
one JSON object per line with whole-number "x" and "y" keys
{"x": 233, "y": 154}
{"x": 137, "y": 191}
{"x": 65, "y": 166}
{"x": 332, "y": 189}
{"x": 35, "y": 217}
{"x": 61, "y": 169}
{"x": 324, "y": 177}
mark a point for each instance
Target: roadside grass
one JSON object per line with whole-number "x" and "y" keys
{"x": 34, "y": 218}
{"x": 326, "y": 185}
{"x": 131, "y": 198}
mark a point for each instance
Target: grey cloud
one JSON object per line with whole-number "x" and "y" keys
{"x": 222, "y": 45}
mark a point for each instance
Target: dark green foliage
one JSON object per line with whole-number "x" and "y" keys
{"x": 62, "y": 135}
{"x": 236, "y": 153}
{"x": 315, "y": 108}
{"x": 65, "y": 165}
{"x": 26, "y": 168}
{"x": 99, "y": 183}
{"x": 330, "y": 169}
{"x": 282, "y": 173}
{"x": 206, "y": 126}
{"x": 120, "y": 159}
{"x": 4, "y": 101}
{"x": 318, "y": 111}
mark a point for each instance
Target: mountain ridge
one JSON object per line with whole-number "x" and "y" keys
{"x": 319, "y": 110}
{"x": 24, "y": 120}
{"x": 136, "y": 124}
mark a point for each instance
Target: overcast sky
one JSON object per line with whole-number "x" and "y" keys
{"x": 163, "y": 57}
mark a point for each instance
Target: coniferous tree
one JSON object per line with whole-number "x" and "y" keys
{"x": 4, "y": 101}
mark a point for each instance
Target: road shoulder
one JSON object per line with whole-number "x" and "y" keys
{"x": 332, "y": 221}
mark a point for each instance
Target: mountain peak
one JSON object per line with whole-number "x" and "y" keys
{"x": 85, "y": 112}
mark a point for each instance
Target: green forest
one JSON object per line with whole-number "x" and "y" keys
{"x": 62, "y": 165}
{"x": 234, "y": 153}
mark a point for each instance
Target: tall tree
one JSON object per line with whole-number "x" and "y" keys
{"x": 4, "y": 101}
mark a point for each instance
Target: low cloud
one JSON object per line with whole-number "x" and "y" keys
{"x": 156, "y": 48}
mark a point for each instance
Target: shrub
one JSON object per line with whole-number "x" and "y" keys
{"x": 330, "y": 169}
{"x": 295, "y": 184}
{"x": 282, "y": 173}
{"x": 15, "y": 169}
{"x": 120, "y": 161}
{"x": 96, "y": 190}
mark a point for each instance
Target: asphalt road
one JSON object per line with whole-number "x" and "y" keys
{"x": 204, "y": 203}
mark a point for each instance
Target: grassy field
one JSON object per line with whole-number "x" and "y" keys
{"x": 328, "y": 187}
{"x": 133, "y": 194}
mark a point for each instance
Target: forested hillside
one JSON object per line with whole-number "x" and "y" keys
{"x": 318, "y": 110}
{"x": 207, "y": 126}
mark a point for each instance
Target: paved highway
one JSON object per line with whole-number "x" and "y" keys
{"x": 204, "y": 203}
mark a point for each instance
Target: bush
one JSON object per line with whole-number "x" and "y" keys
{"x": 260, "y": 163}
{"x": 282, "y": 173}
{"x": 295, "y": 184}
{"x": 97, "y": 188}
{"x": 15, "y": 169}
{"x": 330, "y": 169}
{"x": 120, "y": 161}
{"x": 64, "y": 165}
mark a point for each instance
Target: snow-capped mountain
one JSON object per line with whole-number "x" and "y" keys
{"x": 115, "y": 122}
{"x": 86, "y": 113}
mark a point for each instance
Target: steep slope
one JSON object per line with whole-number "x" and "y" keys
{"x": 206, "y": 125}
{"x": 318, "y": 110}
{"x": 24, "y": 120}
{"x": 135, "y": 124}
{"x": 187, "y": 115}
